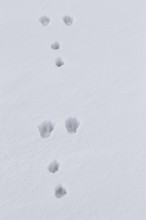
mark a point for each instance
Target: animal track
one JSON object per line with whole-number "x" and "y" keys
{"x": 59, "y": 62}
{"x": 45, "y": 128}
{"x": 55, "y": 45}
{"x": 68, "y": 20}
{"x": 60, "y": 191}
{"x": 72, "y": 125}
{"x": 53, "y": 167}
{"x": 44, "y": 20}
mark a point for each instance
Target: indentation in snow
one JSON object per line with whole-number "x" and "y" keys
{"x": 53, "y": 167}
{"x": 44, "y": 20}
{"x": 60, "y": 191}
{"x": 59, "y": 62}
{"x": 68, "y": 20}
{"x": 72, "y": 125}
{"x": 55, "y": 45}
{"x": 45, "y": 128}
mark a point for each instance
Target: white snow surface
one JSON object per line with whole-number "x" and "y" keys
{"x": 102, "y": 84}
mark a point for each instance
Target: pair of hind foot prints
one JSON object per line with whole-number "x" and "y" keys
{"x": 45, "y": 20}
{"x": 47, "y": 127}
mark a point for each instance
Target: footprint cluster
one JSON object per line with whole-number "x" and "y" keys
{"x": 47, "y": 127}
{"x": 45, "y": 21}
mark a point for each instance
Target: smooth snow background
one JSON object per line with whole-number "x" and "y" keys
{"x": 103, "y": 84}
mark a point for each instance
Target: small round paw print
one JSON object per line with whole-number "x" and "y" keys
{"x": 68, "y": 20}
{"x": 60, "y": 191}
{"x": 44, "y": 20}
{"x": 53, "y": 167}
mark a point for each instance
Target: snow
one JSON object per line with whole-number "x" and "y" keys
{"x": 102, "y": 83}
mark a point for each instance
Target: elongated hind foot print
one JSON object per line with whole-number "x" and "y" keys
{"x": 60, "y": 191}
{"x": 72, "y": 125}
{"x": 46, "y": 128}
{"x": 53, "y": 167}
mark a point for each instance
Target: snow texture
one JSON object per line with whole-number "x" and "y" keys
{"x": 73, "y": 110}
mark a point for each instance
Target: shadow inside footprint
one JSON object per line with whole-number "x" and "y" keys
{"x": 60, "y": 191}
{"x": 68, "y": 20}
{"x": 45, "y": 128}
{"x": 59, "y": 62}
{"x": 44, "y": 20}
{"x": 53, "y": 167}
{"x": 55, "y": 45}
{"x": 72, "y": 125}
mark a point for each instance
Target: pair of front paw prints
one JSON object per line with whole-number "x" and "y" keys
{"x": 45, "y": 130}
